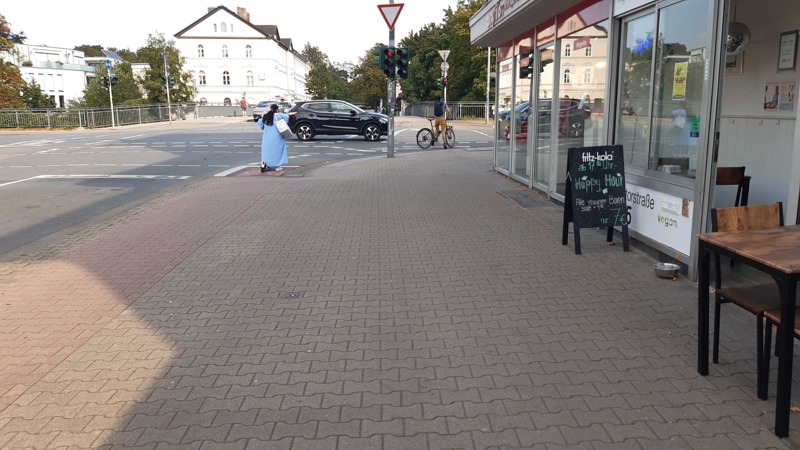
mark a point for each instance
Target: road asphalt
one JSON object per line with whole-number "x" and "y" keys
{"x": 417, "y": 302}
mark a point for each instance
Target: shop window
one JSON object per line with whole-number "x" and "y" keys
{"x": 201, "y": 78}
{"x": 224, "y": 51}
{"x": 248, "y": 51}
{"x": 566, "y": 76}
{"x": 201, "y": 52}
{"x": 226, "y": 78}
{"x": 666, "y": 51}
{"x": 567, "y": 50}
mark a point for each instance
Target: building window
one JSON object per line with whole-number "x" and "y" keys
{"x": 226, "y": 78}
{"x": 249, "y": 78}
{"x": 201, "y": 78}
{"x": 223, "y": 27}
{"x": 215, "y": 28}
{"x": 248, "y": 51}
{"x": 568, "y": 50}
{"x": 589, "y": 51}
{"x": 566, "y": 76}
{"x": 587, "y": 76}
{"x": 201, "y": 53}
{"x": 224, "y": 51}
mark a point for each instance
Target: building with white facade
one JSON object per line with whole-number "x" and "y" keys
{"x": 62, "y": 73}
{"x": 230, "y": 58}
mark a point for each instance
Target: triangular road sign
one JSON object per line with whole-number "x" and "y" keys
{"x": 390, "y": 13}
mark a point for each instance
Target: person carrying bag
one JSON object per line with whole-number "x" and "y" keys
{"x": 273, "y": 141}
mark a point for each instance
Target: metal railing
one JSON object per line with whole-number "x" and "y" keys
{"x": 95, "y": 117}
{"x": 460, "y": 110}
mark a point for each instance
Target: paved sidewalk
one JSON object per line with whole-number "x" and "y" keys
{"x": 404, "y": 303}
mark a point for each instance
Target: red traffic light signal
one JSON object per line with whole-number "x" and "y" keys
{"x": 388, "y": 62}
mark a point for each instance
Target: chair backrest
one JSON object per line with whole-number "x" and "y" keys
{"x": 730, "y": 175}
{"x": 753, "y": 217}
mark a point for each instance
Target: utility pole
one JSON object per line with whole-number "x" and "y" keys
{"x": 167, "y": 86}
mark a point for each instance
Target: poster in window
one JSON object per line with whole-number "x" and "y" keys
{"x": 786, "y": 99}
{"x": 771, "y": 96}
{"x": 679, "y": 81}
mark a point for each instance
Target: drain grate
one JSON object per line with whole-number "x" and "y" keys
{"x": 292, "y": 294}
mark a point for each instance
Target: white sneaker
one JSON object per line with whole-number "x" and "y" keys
{"x": 279, "y": 169}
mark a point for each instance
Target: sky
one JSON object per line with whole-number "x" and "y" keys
{"x": 343, "y": 29}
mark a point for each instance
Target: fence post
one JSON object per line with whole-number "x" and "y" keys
{"x": 16, "y": 114}
{"x": 139, "y": 110}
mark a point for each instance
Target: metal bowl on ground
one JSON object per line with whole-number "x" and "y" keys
{"x": 666, "y": 270}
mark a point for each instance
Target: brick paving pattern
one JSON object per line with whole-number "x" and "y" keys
{"x": 401, "y": 303}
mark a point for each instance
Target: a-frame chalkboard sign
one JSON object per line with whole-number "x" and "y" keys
{"x": 595, "y": 192}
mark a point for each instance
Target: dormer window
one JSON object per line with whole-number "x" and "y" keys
{"x": 223, "y": 27}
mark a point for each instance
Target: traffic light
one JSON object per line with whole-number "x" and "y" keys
{"x": 526, "y": 65}
{"x": 171, "y": 82}
{"x": 388, "y": 62}
{"x": 444, "y": 82}
{"x": 439, "y": 82}
{"x": 402, "y": 63}
{"x": 114, "y": 80}
{"x": 378, "y": 52}
{"x": 105, "y": 81}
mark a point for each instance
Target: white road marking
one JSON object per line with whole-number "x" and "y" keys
{"x": 48, "y": 151}
{"x": 123, "y": 177}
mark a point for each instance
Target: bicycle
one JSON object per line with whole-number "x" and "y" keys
{"x": 425, "y": 136}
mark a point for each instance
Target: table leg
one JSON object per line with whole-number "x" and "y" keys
{"x": 702, "y": 310}
{"x": 788, "y": 287}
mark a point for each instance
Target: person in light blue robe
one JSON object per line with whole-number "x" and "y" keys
{"x": 273, "y": 144}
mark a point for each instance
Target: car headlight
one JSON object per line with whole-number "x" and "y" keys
{"x": 384, "y": 120}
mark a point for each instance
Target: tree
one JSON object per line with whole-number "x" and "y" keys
{"x": 324, "y": 79}
{"x": 153, "y": 54}
{"x": 33, "y": 96}
{"x": 466, "y": 78}
{"x": 11, "y": 82}
{"x": 369, "y": 83}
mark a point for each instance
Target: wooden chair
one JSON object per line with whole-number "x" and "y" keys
{"x": 756, "y": 299}
{"x": 734, "y": 176}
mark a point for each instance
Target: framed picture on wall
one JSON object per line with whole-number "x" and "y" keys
{"x": 787, "y": 50}
{"x": 733, "y": 64}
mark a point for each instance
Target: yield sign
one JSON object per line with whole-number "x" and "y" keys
{"x": 390, "y": 13}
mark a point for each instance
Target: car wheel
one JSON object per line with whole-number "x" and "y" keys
{"x": 576, "y": 129}
{"x": 304, "y": 132}
{"x": 372, "y": 132}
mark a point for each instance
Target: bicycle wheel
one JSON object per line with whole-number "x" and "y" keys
{"x": 451, "y": 138}
{"x": 424, "y": 138}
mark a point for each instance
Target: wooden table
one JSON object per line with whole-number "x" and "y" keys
{"x": 777, "y": 253}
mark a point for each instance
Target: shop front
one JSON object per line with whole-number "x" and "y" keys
{"x": 664, "y": 80}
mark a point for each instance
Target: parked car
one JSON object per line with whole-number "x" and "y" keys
{"x": 261, "y": 109}
{"x": 336, "y": 117}
{"x": 574, "y": 118}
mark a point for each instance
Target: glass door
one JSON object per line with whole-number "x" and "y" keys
{"x": 541, "y": 116}
{"x": 636, "y": 73}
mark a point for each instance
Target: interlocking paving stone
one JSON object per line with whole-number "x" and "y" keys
{"x": 401, "y": 303}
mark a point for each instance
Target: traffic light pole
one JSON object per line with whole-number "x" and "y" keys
{"x": 390, "y": 105}
{"x": 167, "y": 86}
{"x": 111, "y": 97}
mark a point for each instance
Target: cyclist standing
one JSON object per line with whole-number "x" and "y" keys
{"x": 440, "y": 120}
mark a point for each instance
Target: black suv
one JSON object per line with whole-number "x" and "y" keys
{"x": 310, "y": 118}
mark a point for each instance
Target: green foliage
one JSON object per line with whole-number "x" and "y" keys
{"x": 369, "y": 84}
{"x": 324, "y": 79}
{"x": 34, "y": 98}
{"x": 153, "y": 54}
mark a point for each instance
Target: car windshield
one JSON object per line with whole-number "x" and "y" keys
{"x": 262, "y": 104}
